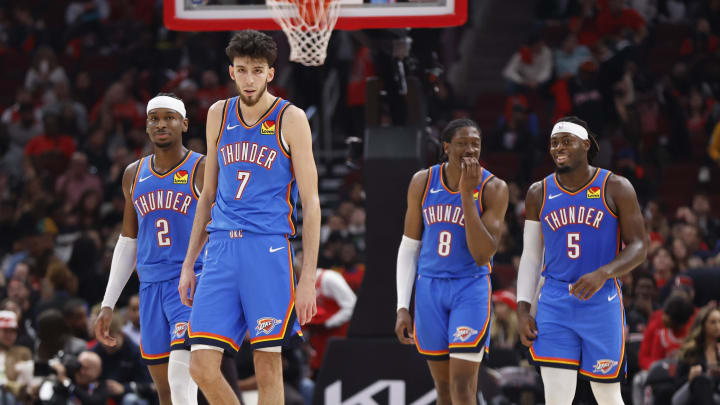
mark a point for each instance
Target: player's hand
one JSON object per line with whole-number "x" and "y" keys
{"x": 102, "y": 327}
{"x": 186, "y": 286}
{"x": 470, "y": 174}
{"x": 588, "y": 285}
{"x": 528, "y": 328}
{"x": 305, "y": 305}
{"x": 695, "y": 371}
{"x": 404, "y": 324}
{"x": 115, "y": 388}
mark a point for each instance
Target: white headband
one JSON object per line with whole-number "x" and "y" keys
{"x": 571, "y": 128}
{"x": 166, "y": 102}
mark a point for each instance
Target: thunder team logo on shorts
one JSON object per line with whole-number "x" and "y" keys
{"x": 604, "y": 366}
{"x": 266, "y": 325}
{"x": 179, "y": 330}
{"x": 463, "y": 333}
{"x": 180, "y": 177}
{"x": 267, "y": 128}
{"x": 593, "y": 192}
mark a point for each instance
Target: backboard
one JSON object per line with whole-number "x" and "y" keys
{"x": 229, "y": 15}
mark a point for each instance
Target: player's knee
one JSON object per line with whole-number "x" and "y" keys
{"x": 203, "y": 369}
{"x": 462, "y": 389}
{"x": 163, "y": 392}
{"x": 607, "y": 394}
{"x": 268, "y": 367}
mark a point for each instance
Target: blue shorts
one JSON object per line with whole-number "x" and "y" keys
{"x": 163, "y": 320}
{"x": 452, "y": 315}
{"x": 587, "y": 336}
{"x": 247, "y": 283}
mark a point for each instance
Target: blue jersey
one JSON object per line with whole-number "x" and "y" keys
{"x": 256, "y": 189}
{"x": 580, "y": 231}
{"x": 444, "y": 251}
{"x": 165, "y": 206}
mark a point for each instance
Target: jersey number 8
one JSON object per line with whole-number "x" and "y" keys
{"x": 444, "y": 242}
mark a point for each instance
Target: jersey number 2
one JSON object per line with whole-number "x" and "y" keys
{"x": 444, "y": 242}
{"x": 243, "y": 177}
{"x": 162, "y": 234}
{"x": 573, "y": 247}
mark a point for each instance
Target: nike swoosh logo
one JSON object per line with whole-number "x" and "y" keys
{"x": 232, "y": 127}
{"x": 435, "y": 190}
{"x": 550, "y": 197}
{"x": 276, "y": 249}
{"x": 612, "y": 297}
{"x": 144, "y": 178}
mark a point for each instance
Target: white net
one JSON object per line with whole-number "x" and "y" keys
{"x": 308, "y": 25}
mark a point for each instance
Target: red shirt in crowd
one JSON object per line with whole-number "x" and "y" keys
{"x": 608, "y": 23}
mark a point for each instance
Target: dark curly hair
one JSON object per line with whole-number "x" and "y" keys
{"x": 452, "y": 127}
{"x": 253, "y": 44}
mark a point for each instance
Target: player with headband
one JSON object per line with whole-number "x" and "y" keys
{"x": 579, "y": 217}
{"x": 161, "y": 192}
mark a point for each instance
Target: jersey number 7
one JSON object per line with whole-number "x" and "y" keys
{"x": 244, "y": 177}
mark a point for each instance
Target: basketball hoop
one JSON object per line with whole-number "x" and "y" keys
{"x": 308, "y": 25}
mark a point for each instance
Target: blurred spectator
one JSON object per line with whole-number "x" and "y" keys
{"x": 582, "y": 96}
{"x": 88, "y": 388}
{"x": 58, "y": 287}
{"x": 54, "y": 337}
{"x": 73, "y": 115}
{"x": 126, "y": 376}
{"x": 356, "y": 228}
{"x": 504, "y": 336}
{"x": 663, "y": 266}
{"x": 50, "y": 153}
{"x": 350, "y": 265}
{"x": 76, "y": 181}
{"x": 25, "y": 333}
{"x": 334, "y": 223}
{"x": 698, "y": 372}
{"x": 570, "y": 56}
{"x": 335, "y": 305}
{"x": 75, "y": 312}
{"x": 619, "y": 22}
{"x": 663, "y": 338}
{"x": 26, "y": 127}
{"x": 530, "y": 67}
{"x": 644, "y": 301}
{"x": 706, "y": 222}
{"x": 131, "y": 329}
{"x": 44, "y": 72}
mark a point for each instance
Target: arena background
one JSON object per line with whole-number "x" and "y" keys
{"x": 645, "y": 74}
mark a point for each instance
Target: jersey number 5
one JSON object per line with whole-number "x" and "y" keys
{"x": 162, "y": 234}
{"x": 243, "y": 177}
{"x": 444, "y": 242}
{"x": 573, "y": 247}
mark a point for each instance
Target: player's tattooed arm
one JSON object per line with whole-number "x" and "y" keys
{"x": 198, "y": 236}
{"x": 296, "y": 131}
{"x": 408, "y": 255}
{"x": 482, "y": 233}
{"x": 622, "y": 200}
{"x": 526, "y": 323}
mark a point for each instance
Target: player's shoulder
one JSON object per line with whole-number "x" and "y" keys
{"x": 420, "y": 177}
{"x": 293, "y": 114}
{"x": 496, "y": 184}
{"x": 130, "y": 173}
{"x": 617, "y": 185}
{"x": 536, "y": 189}
{"x": 217, "y": 107}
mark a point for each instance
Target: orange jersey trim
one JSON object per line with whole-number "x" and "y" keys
{"x": 542, "y": 206}
{"x": 152, "y": 356}
{"x": 427, "y": 352}
{"x": 482, "y": 333}
{"x": 261, "y": 119}
{"x": 278, "y": 129}
{"x": 137, "y": 175}
{"x": 171, "y": 171}
{"x": 213, "y": 336}
{"x": 564, "y": 190}
{"x": 442, "y": 181}
{"x": 177, "y": 342}
{"x": 222, "y": 124}
{"x": 427, "y": 187}
{"x": 553, "y": 359}
{"x": 289, "y": 203}
{"x": 192, "y": 178}
{"x": 607, "y": 207}
{"x": 482, "y": 188}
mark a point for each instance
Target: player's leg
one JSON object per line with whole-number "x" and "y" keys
{"x": 440, "y": 371}
{"x": 159, "y": 374}
{"x": 216, "y": 320}
{"x": 559, "y": 385}
{"x": 607, "y": 394}
{"x": 464, "y": 369}
{"x": 205, "y": 370}
{"x": 267, "y": 292}
{"x": 154, "y": 332}
{"x": 183, "y": 389}
{"x": 431, "y": 331}
{"x": 268, "y": 372}
{"x": 468, "y": 334}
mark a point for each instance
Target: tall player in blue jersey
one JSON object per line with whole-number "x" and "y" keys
{"x": 581, "y": 216}
{"x": 161, "y": 192}
{"x": 453, "y": 223}
{"x": 259, "y": 156}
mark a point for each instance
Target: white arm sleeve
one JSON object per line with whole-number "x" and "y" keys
{"x": 335, "y": 286}
{"x": 408, "y": 253}
{"x": 121, "y": 268}
{"x": 530, "y": 262}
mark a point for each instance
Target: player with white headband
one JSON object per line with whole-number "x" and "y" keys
{"x": 161, "y": 192}
{"x": 577, "y": 219}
